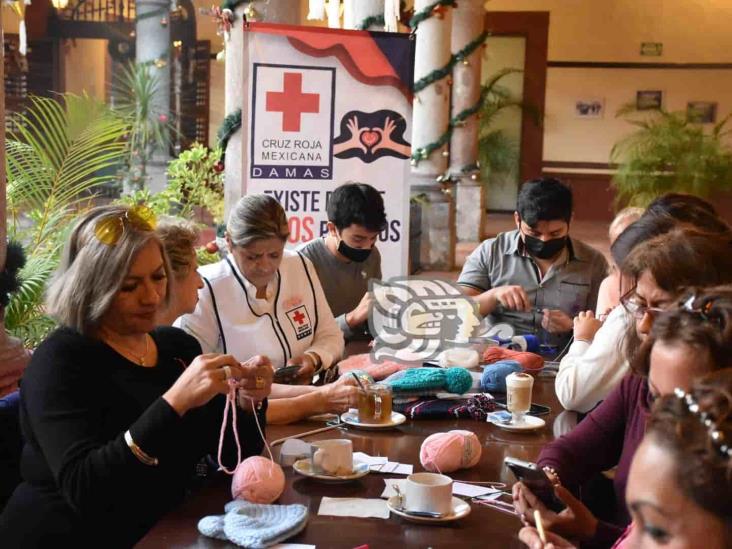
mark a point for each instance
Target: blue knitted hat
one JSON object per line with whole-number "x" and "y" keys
{"x": 494, "y": 375}
{"x": 254, "y": 524}
{"x": 453, "y": 380}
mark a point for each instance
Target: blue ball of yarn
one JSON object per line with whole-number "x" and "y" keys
{"x": 458, "y": 380}
{"x": 494, "y": 375}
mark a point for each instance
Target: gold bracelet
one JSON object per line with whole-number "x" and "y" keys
{"x": 138, "y": 452}
{"x": 317, "y": 361}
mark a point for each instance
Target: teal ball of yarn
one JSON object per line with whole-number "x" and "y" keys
{"x": 458, "y": 380}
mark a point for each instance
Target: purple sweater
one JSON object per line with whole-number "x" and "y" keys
{"x": 607, "y": 437}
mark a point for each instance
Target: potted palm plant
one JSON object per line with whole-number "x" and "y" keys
{"x": 668, "y": 152}
{"x": 60, "y": 156}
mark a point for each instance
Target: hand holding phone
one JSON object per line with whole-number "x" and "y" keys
{"x": 287, "y": 374}
{"x": 535, "y": 479}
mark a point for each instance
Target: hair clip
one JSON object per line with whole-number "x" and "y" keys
{"x": 715, "y": 434}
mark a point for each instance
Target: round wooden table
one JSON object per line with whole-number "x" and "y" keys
{"x": 484, "y": 527}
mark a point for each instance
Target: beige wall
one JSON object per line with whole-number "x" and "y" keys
{"x": 692, "y": 31}
{"x": 84, "y": 67}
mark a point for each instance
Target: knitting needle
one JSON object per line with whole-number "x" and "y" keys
{"x": 308, "y": 433}
{"x": 539, "y": 525}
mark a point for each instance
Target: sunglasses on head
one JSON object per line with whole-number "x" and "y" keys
{"x": 110, "y": 229}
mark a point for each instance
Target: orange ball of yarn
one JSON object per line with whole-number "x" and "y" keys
{"x": 529, "y": 361}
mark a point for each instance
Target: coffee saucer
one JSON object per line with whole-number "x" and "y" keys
{"x": 305, "y": 468}
{"x": 351, "y": 418}
{"x": 530, "y": 423}
{"x": 460, "y": 509}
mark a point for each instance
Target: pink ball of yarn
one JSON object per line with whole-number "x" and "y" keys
{"x": 258, "y": 480}
{"x": 447, "y": 452}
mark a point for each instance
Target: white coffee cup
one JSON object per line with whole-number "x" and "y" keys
{"x": 332, "y": 456}
{"x": 430, "y": 492}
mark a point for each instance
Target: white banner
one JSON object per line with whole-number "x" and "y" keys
{"x": 325, "y": 107}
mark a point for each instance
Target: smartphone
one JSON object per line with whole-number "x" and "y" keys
{"x": 535, "y": 480}
{"x": 286, "y": 374}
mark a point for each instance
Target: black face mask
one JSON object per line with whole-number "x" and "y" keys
{"x": 359, "y": 255}
{"x": 544, "y": 249}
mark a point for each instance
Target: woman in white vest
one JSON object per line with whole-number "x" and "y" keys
{"x": 262, "y": 299}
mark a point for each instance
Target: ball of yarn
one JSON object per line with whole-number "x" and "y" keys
{"x": 458, "y": 380}
{"x": 494, "y": 375}
{"x": 529, "y": 361}
{"x": 447, "y": 452}
{"x": 258, "y": 480}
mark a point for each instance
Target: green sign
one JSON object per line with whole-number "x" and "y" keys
{"x": 652, "y": 48}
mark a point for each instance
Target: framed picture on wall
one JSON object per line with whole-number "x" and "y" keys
{"x": 589, "y": 108}
{"x": 701, "y": 112}
{"x": 647, "y": 100}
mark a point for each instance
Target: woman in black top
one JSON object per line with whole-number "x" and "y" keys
{"x": 116, "y": 413}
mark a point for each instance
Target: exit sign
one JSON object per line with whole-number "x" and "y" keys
{"x": 654, "y": 49}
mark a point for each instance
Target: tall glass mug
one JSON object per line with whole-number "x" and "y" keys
{"x": 518, "y": 395}
{"x": 374, "y": 404}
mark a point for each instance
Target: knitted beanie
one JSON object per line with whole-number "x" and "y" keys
{"x": 255, "y": 525}
{"x": 453, "y": 380}
{"x": 529, "y": 361}
{"x": 494, "y": 375}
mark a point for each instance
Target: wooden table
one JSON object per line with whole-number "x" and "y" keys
{"x": 484, "y": 527}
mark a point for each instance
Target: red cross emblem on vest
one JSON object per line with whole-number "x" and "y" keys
{"x": 292, "y": 102}
{"x": 298, "y": 317}
{"x": 300, "y": 321}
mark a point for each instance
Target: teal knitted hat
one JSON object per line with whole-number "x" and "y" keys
{"x": 452, "y": 380}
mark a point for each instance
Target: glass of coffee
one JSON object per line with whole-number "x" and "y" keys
{"x": 374, "y": 404}
{"x": 518, "y": 393}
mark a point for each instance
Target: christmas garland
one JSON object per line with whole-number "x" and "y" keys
{"x": 430, "y": 11}
{"x": 377, "y": 20}
{"x": 148, "y": 14}
{"x": 424, "y": 152}
{"x": 443, "y": 72}
{"x": 229, "y": 127}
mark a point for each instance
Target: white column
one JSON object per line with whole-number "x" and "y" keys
{"x": 152, "y": 43}
{"x": 363, "y": 9}
{"x": 430, "y": 117}
{"x": 270, "y": 11}
{"x": 467, "y": 25}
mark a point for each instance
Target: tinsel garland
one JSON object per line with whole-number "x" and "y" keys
{"x": 229, "y": 127}
{"x": 428, "y": 12}
{"x": 377, "y": 20}
{"x": 444, "y": 72}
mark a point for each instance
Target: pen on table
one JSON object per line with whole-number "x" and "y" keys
{"x": 539, "y": 526}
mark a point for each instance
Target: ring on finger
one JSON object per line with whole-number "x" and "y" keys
{"x": 259, "y": 382}
{"x": 227, "y": 372}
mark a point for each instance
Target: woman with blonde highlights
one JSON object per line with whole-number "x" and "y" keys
{"x": 116, "y": 412}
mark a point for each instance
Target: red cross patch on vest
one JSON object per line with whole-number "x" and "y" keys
{"x": 300, "y": 320}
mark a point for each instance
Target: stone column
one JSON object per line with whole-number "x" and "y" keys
{"x": 430, "y": 118}
{"x": 467, "y": 25}
{"x": 270, "y": 11}
{"x": 152, "y": 43}
{"x": 363, "y": 9}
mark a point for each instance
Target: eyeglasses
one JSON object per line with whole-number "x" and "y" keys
{"x": 110, "y": 229}
{"x": 638, "y": 310}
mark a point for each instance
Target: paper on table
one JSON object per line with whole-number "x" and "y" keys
{"x": 371, "y": 460}
{"x": 293, "y": 546}
{"x": 458, "y": 489}
{"x": 471, "y": 490}
{"x": 353, "y": 507}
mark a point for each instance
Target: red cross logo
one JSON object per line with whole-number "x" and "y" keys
{"x": 299, "y": 317}
{"x": 292, "y": 103}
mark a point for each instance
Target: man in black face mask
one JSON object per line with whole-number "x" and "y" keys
{"x": 346, "y": 257}
{"x": 536, "y": 278}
